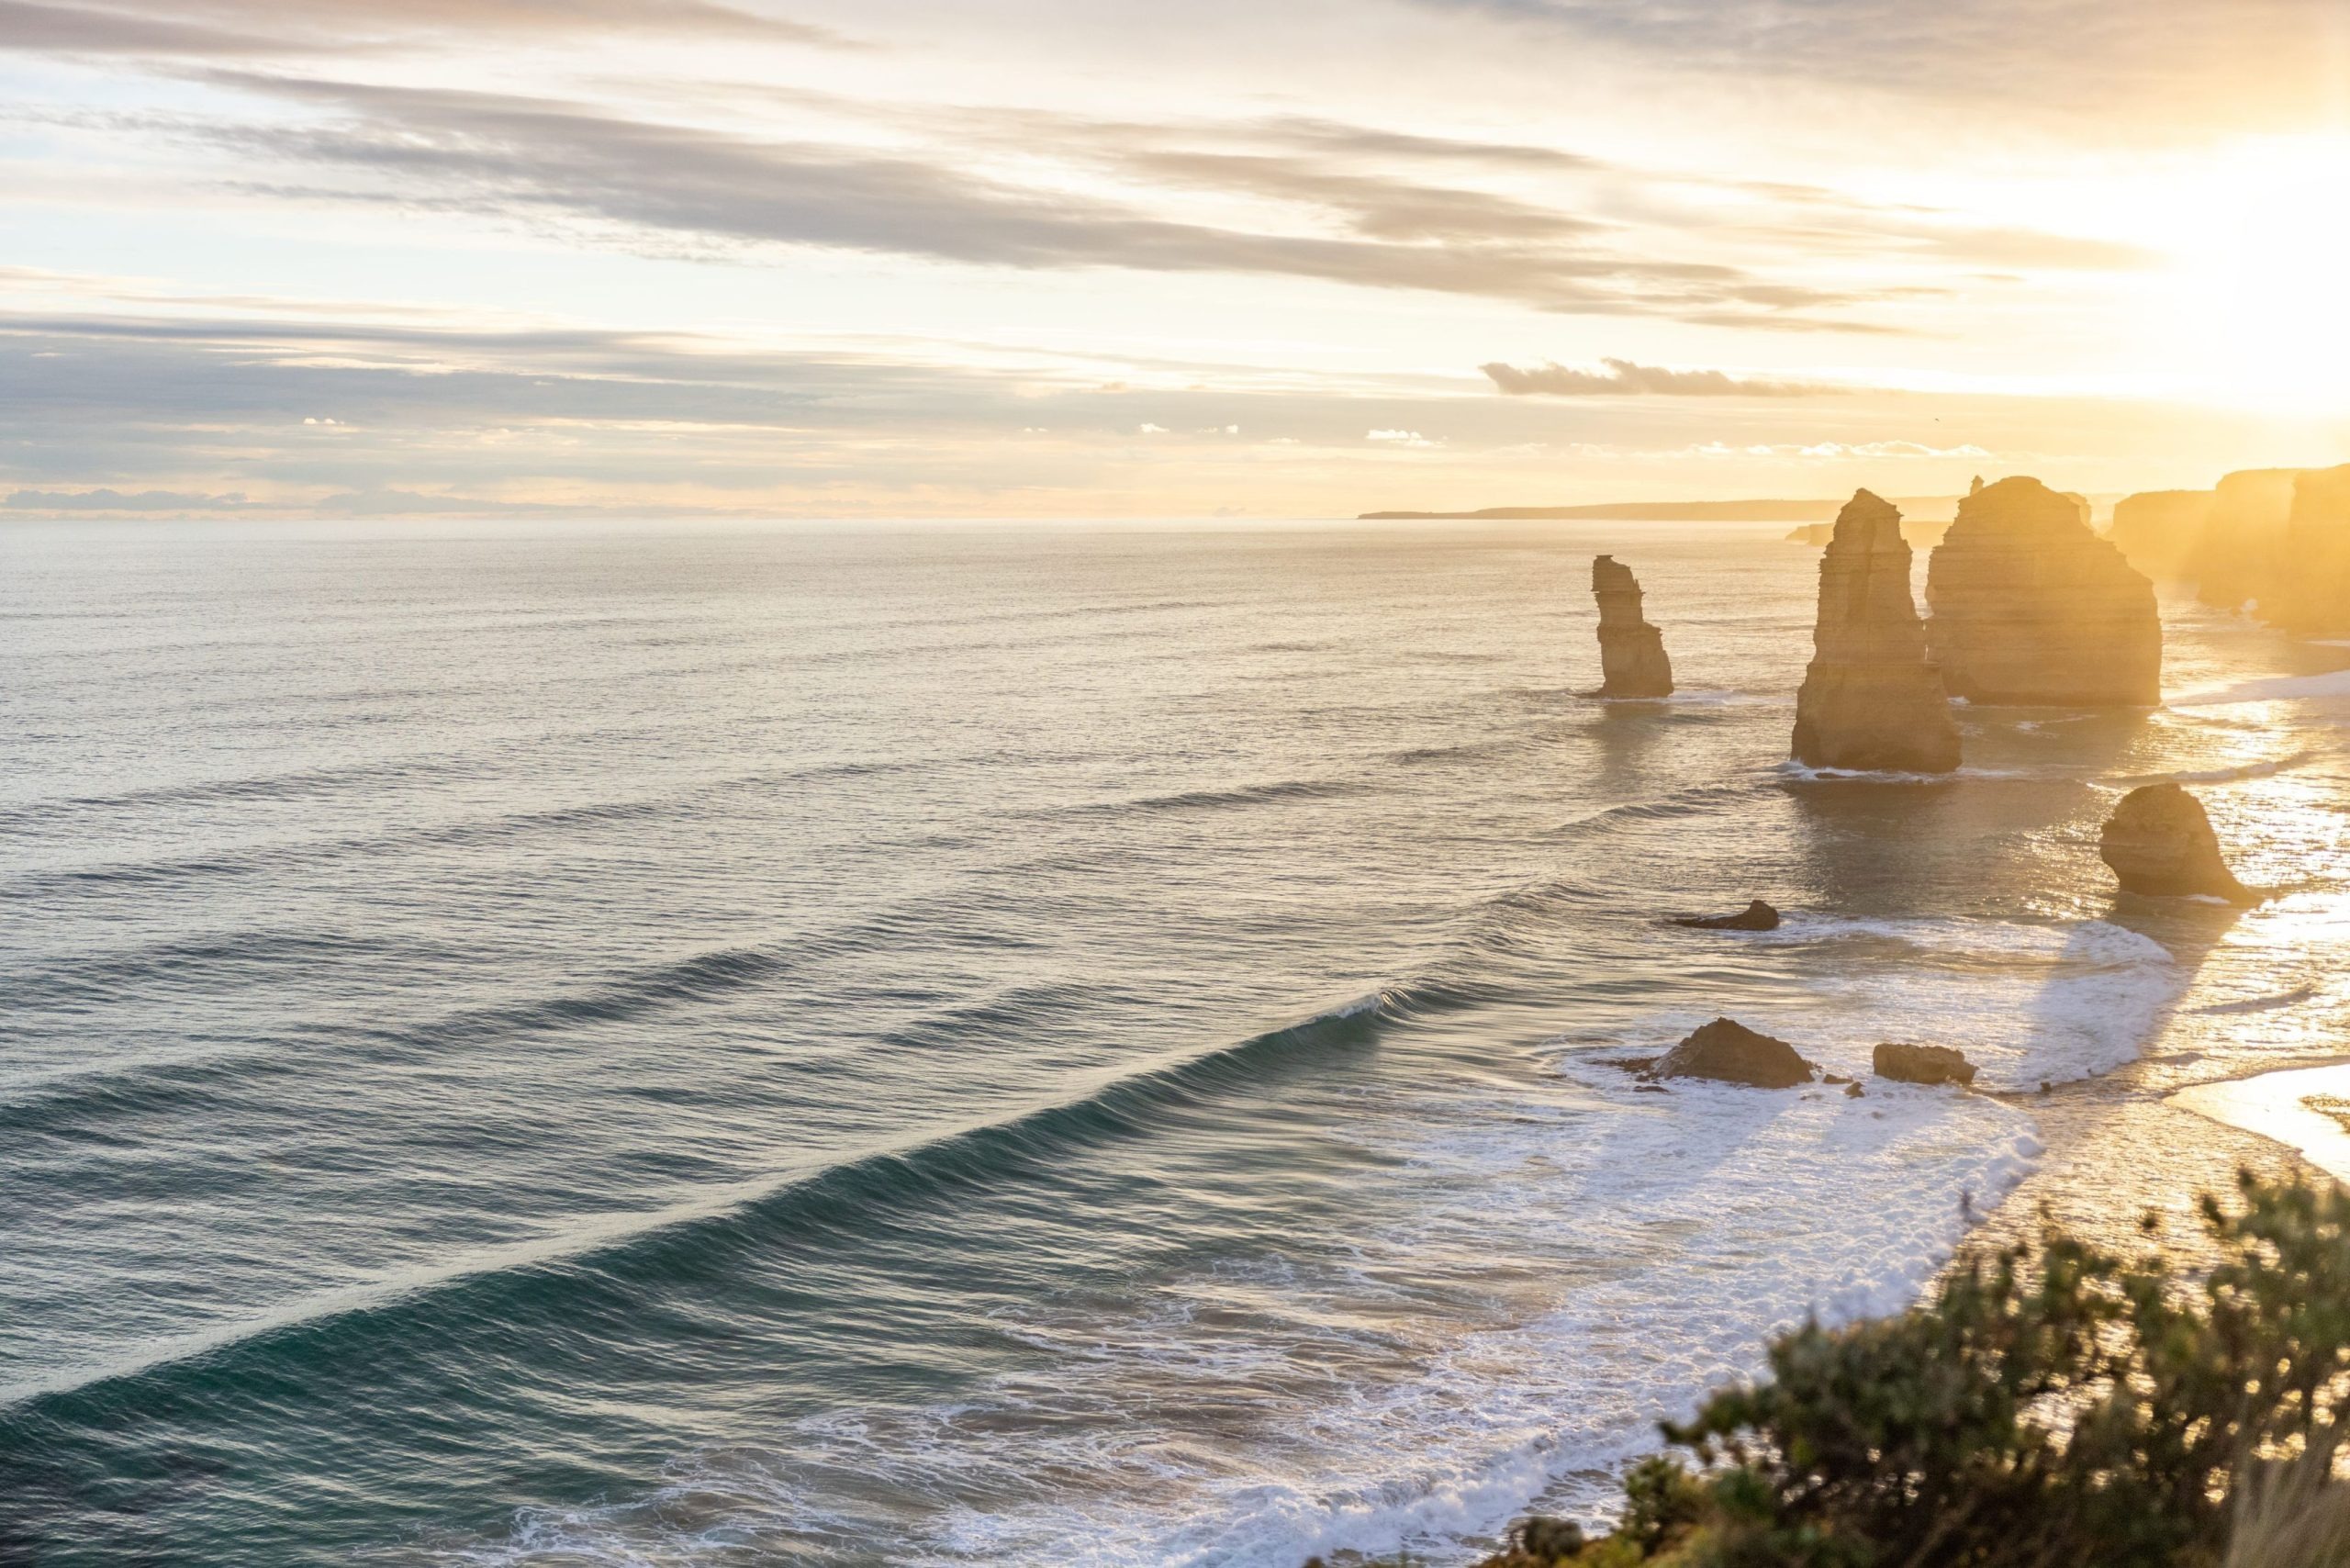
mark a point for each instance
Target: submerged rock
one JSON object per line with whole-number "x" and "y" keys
{"x": 1755, "y": 916}
{"x": 1632, "y": 661}
{"x": 1871, "y": 702}
{"x": 2030, "y": 607}
{"x": 2159, "y": 842}
{"x": 1923, "y": 1064}
{"x": 1730, "y": 1052}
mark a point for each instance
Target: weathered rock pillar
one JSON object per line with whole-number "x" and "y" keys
{"x": 1871, "y": 702}
{"x": 1632, "y": 661}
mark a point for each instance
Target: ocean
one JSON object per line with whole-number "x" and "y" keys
{"x": 679, "y": 1044}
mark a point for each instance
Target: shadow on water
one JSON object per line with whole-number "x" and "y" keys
{"x": 2008, "y": 828}
{"x": 1625, "y": 736}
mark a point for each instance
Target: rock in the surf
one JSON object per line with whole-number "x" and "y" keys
{"x": 1730, "y": 1052}
{"x": 1871, "y": 702}
{"x": 2159, "y": 842}
{"x": 1923, "y": 1064}
{"x": 2028, "y": 605}
{"x": 1755, "y": 916}
{"x": 1632, "y": 661}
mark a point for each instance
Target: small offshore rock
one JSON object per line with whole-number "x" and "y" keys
{"x": 1730, "y": 1052}
{"x": 1755, "y": 916}
{"x": 1833, "y": 1077}
{"x": 1923, "y": 1064}
{"x": 1854, "y": 1091}
{"x": 2159, "y": 842}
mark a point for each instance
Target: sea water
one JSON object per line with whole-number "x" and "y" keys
{"x": 1003, "y": 1045}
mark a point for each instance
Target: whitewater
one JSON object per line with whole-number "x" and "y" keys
{"x": 1011, "y": 1044}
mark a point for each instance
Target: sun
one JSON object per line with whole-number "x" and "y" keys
{"x": 2261, "y": 239}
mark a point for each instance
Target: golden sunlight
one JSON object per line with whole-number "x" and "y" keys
{"x": 2261, "y": 234}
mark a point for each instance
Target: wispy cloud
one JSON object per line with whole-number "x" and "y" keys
{"x": 262, "y": 29}
{"x": 537, "y": 160}
{"x": 1622, "y": 378}
{"x": 2012, "y": 48}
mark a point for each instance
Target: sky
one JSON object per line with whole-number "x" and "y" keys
{"x": 1099, "y": 258}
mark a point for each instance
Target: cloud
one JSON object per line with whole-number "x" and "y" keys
{"x": 73, "y": 29}
{"x": 105, "y": 500}
{"x": 260, "y": 29}
{"x": 1830, "y": 451}
{"x": 2050, "y": 59}
{"x": 1398, "y": 438}
{"x": 622, "y": 181}
{"x": 1622, "y": 378}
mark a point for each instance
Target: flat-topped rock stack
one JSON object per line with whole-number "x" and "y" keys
{"x": 1632, "y": 661}
{"x": 1872, "y": 700}
{"x": 2029, "y": 607}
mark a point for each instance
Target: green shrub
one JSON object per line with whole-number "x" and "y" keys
{"x": 2051, "y": 1406}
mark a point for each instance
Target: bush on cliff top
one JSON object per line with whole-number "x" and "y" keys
{"x": 2053, "y": 1406}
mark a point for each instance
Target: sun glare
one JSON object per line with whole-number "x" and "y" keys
{"x": 2261, "y": 238}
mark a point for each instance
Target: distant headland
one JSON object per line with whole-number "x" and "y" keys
{"x": 1822, "y": 512}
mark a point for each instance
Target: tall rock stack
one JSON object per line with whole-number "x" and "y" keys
{"x": 1871, "y": 702}
{"x": 1632, "y": 662}
{"x": 2030, "y": 607}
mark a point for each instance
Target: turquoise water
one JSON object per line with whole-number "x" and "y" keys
{"x": 997, "y": 1045}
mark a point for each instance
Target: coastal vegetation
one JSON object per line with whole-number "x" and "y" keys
{"x": 2053, "y": 1405}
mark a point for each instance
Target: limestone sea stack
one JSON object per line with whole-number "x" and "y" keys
{"x": 1871, "y": 702}
{"x": 2160, "y": 843}
{"x": 1632, "y": 662}
{"x": 2029, "y": 607}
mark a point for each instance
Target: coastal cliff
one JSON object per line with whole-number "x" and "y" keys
{"x": 2159, "y": 531}
{"x": 1871, "y": 699}
{"x": 2029, "y": 607}
{"x": 1632, "y": 660}
{"x": 2235, "y": 563}
{"x": 2312, "y": 598}
{"x": 2270, "y": 541}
